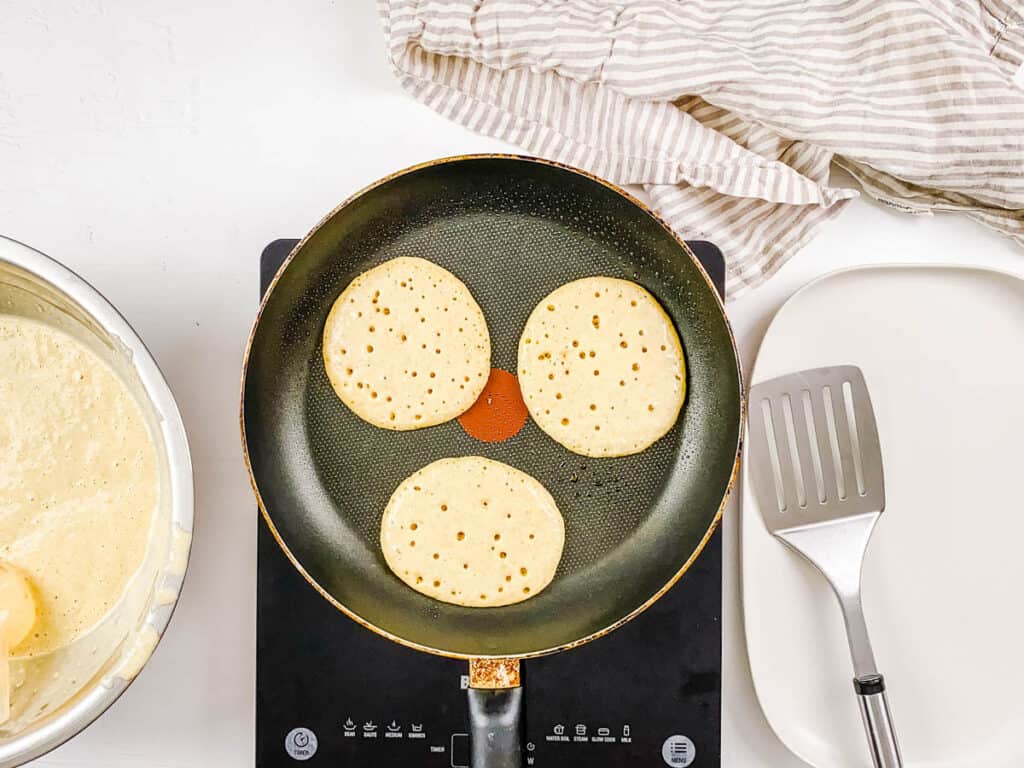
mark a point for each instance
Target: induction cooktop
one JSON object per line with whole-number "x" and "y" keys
{"x": 331, "y": 693}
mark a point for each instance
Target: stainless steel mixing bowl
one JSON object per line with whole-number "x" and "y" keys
{"x": 57, "y": 695}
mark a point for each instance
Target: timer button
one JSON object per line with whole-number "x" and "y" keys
{"x": 300, "y": 744}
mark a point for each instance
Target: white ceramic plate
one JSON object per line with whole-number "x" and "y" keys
{"x": 942, "y": 349}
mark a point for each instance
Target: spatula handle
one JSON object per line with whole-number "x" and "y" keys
{"x": 874, "y": 710}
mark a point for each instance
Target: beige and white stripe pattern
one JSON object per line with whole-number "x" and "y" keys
{"x": 730, "y": 114}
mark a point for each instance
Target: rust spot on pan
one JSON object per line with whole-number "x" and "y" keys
{"x": 494, "y": 673}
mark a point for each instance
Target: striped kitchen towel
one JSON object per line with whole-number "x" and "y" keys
{"x": 731, "y": 113}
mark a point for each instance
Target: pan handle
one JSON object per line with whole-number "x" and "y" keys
{"x": 494, "y": 717}
{"x": 495, "y": 710}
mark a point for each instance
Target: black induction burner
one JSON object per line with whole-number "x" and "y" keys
{"x": 331, "y": 693}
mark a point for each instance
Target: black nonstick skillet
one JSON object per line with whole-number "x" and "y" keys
{"x": 513, "y": 229}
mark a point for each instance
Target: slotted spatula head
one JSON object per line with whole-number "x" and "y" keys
{"x": 814, "y": 451}
{"x": 816, "y": 467}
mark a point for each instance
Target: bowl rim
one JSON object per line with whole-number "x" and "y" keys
{"x": 94, "y": 700}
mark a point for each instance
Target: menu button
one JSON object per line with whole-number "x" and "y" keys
{"x": 678, "y": 751}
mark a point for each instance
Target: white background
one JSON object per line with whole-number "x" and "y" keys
{"x": 155, "y": 148}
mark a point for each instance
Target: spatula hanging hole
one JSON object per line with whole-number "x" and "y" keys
{"x": 812, "y": 438}
{"x": 833, "y": 441}
{"x": 794, "y": 451}
{"x": 773, "y": 453}
{"x": 851, "y": 420}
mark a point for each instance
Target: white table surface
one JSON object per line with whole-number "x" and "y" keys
{"x": 155, "y": 148}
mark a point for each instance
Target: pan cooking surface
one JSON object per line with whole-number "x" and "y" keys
{"x": 602, "y": 500}
{"x": 513, "y": 231}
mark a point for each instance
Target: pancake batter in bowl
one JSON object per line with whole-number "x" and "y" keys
{"x": 78, "y": 479}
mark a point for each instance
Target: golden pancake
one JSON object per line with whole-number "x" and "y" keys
{"x": 601, "y": 367}
{"x": 473, "y": 532}
{"x": 406, "y": 346}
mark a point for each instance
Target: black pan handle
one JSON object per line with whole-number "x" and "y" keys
{"x": 495, "y": 722}
{"x": 495, "y": 713}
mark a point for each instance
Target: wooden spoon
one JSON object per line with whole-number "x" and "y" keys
{"x": 17, "y": 615}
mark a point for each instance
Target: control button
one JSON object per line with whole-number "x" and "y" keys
{"x": 460, "y": 750}
{"x": 678, "y": 751}
{"x": 557, "y": 733}
{"x": 348, "y": 725}
{"x": 300, "y": 744}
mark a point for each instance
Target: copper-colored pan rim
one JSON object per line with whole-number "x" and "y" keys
{"x": 440, "y": 651}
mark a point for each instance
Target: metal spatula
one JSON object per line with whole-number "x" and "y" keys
{"x": 816, "y": 466}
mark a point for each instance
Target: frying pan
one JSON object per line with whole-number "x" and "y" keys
{"x": 513, "y": 229}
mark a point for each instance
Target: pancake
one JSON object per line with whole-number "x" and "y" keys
{"x": 78, "y": 480}
{"x": 406, "y": 346}
{"x": 601, "y": 367}
{"x": 473, "y": 532}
